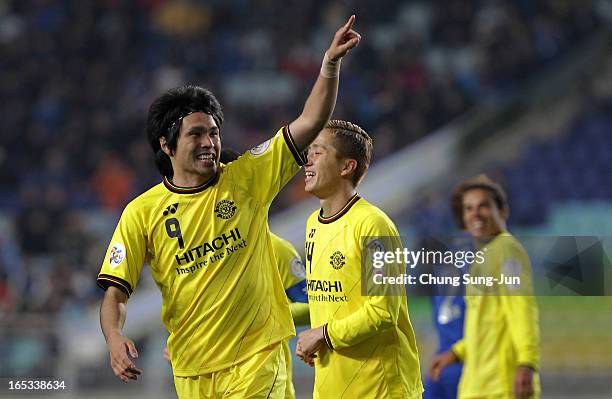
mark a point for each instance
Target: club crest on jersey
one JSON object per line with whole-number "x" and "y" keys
{"x": 337, "y": 260}
{"x": 297, "y": 268}
{"x": 116, "y": 255}
{"x": 260, "y": 149}
{"x": 225, "y": 209}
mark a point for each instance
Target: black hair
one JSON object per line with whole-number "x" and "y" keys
{"x": 166, "y": 114}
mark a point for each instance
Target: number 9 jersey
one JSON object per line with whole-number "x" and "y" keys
{"x": 211, "y": 256}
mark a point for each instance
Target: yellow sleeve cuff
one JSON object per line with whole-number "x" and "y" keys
{"x": 459, "y": 349}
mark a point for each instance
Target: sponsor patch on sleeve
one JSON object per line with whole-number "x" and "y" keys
{"x": 260, "y": 149}
{"x": 116, "y": 255}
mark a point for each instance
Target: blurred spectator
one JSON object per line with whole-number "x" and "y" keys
{"x": 113, "y": 182}
{"x": 182, "y": 18}
{"x": 6, "y": 293}
{"x": 40, "y": 219}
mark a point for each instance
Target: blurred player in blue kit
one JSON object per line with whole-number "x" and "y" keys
{"x": 448, "y": 313}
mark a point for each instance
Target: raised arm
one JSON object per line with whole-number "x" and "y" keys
{"x": 322, "y": 99}
{"x": 112, "y": 317}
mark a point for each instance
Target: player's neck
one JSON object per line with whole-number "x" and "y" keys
{"x": 333, "y": 203}
{"x": 190, "y": 180}
{"x": 480, "y": 242}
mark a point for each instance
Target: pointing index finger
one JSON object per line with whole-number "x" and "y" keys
{"x": 349, "y": 24}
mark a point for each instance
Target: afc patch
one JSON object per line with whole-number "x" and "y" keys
{"x": 297, "y": 268}
{"x": 116, "y": 255}
{"x": 260, "y": 149}
{"x": 512, "y": 268}
{"x": 225, "y": 209}
{"x": 337, "y": 260}
{"x": 375, "y": 246}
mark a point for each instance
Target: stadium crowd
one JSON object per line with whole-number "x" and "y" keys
{"x": 78, "y": 78}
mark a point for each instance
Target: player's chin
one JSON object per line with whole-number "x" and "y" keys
{"x": 309, "y": 186}
{"x": 208, "y": 170}
{"x": 475, "y": 233}
{"x": 480, "y": 234}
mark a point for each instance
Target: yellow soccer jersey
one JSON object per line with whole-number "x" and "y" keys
{"x": 293, "y": 277}
{"x": 291, "y": 269}
{"x": 501, "y": 331}
{"x": 210, "y": 253}
{"x": 374, "y": 347}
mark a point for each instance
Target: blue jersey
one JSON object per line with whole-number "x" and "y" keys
{"x": 448, "y": 317}
{"x": 448, "y": 303}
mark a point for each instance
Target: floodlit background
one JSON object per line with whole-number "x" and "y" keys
{"x": 520, "y": 90}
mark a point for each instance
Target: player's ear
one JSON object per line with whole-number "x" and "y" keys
{"x": 349, "y": 167}
{"x": 164, "y": 146}
{"x": 504, "y": 212}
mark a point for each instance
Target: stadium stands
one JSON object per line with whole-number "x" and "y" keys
{"x": 78, "y": 76}
{"x": 572, "y": 169}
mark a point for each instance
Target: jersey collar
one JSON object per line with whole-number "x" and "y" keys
{"x": 340, "y": 213}
{"x": 190, "y": 190}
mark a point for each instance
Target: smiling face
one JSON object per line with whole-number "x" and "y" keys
{"x": 481, "y": 216}
{"x": 196, "y": 158}
{"x": 324, "y": 170}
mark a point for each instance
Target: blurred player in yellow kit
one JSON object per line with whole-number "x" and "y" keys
{"x": 362, "y": 346}
{"x": 500, "y": 348}
{"x": 293, "y": 276}
{"x": 205, "y": 235}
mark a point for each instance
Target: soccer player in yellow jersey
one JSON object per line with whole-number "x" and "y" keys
{"x": 500, "y": 348}
{"x": 205, "y": 235}
{"x": 361, "y": 346}
{"x": 293, "y": 277}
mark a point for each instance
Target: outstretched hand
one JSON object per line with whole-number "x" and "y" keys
{"x": 344, "y": 40}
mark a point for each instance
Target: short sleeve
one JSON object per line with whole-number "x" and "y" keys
{"x": 291, "y": 269}
{"x": 265, "y": 169}
{"x": 125, "y": 254}
{"x": 516, "y": 268}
